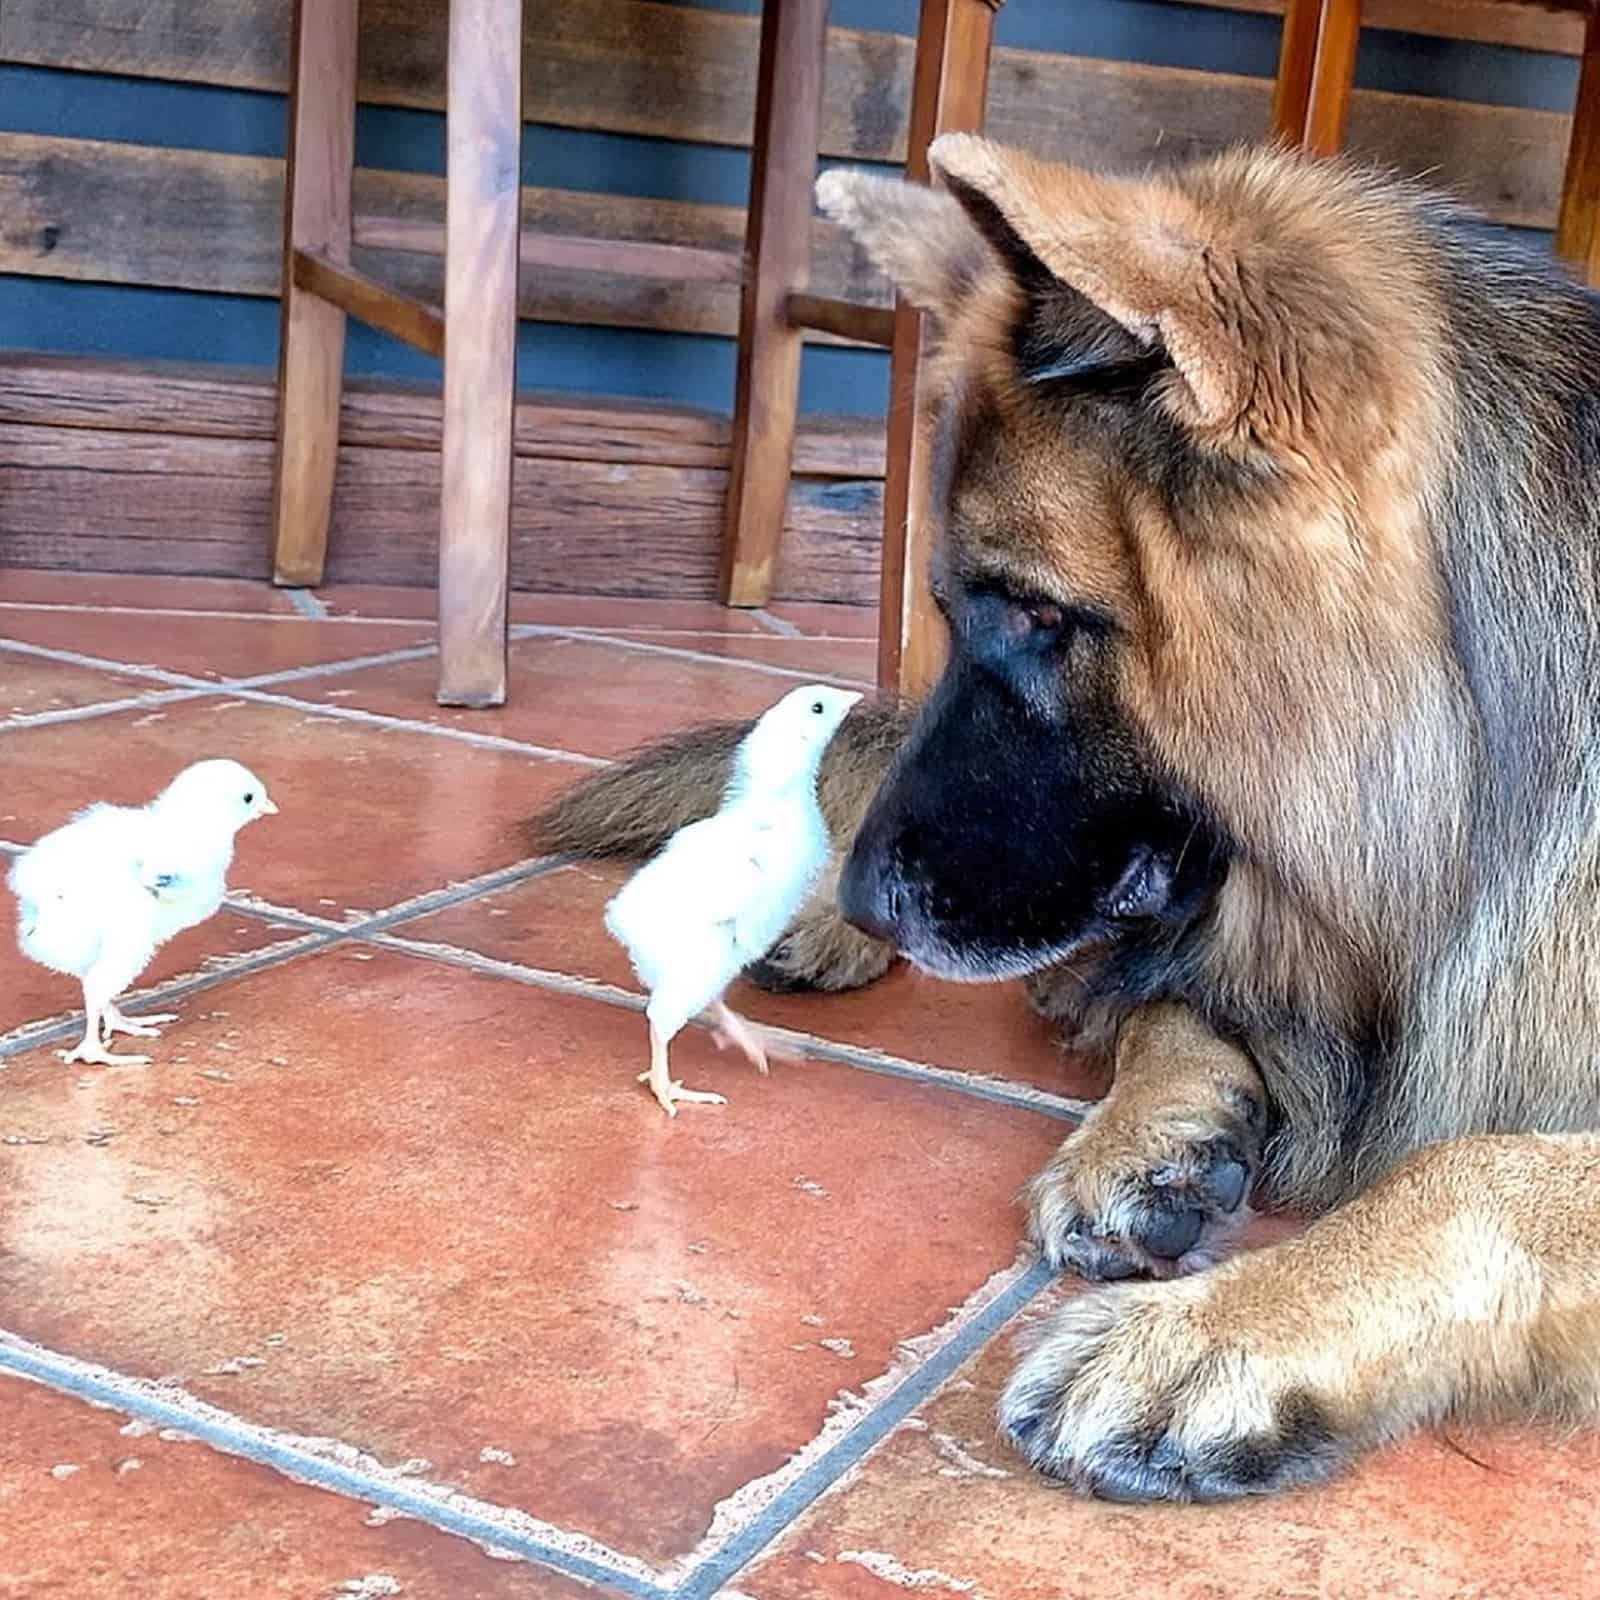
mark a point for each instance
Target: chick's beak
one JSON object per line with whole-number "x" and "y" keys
{"x": 267, "y": 808}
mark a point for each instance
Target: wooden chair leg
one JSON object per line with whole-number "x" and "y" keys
{"x": 783, "y": 169}
{"x": 482, "y": 225}
{"x": 1316, "y": 68}
{"x": 1297, "y": 57}
{"x": 1578, "y": 227}
{"x": 949, "y": 83}
{"x": 322, "y": 119}
{"x": 1332, "y": 76}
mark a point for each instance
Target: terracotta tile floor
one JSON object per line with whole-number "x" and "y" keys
{"x": 385, "y": 1278}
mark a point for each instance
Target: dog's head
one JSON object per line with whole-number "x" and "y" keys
{"x": 1179, "y": 467}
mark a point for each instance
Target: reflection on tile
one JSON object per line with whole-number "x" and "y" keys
{"x": 208, "y": 647}
{"x": 835, "y": 621}
{"x": 554, "y": 923}
{"x": 855, "y": 660}
{"x": 30, "y": 685}
{"x": 368, "y": 815}
{"x": 97, "y": 1507}
{"x": 439, "y": 1212}
{"x": 583, "y": 695}
{"x": 23, "y": 586}
{"x": 30, "y": 993}
{"x": 550, "y": 610}
{"x": 943, "y": 1498}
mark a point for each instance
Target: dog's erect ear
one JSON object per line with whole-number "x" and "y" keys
{"x": 1136, "y": 249}
{"x": 933, "y": 244}
{"x": 921, "y": 239}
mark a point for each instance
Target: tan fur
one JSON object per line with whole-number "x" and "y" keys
{"x": 1460, "y": 1288}
{"x": 1363, "y": 637}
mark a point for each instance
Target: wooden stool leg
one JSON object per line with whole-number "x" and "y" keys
{"x": 482, "y": 224}
{"x": 1316, "y": 68}
{"x": 322, "y": 126}
{"x": 949, "y": 83}
{"x": 1297, "y": 57}
{"x": 783, "y": 168}
{"x": 1578, "y": 229}
{"x": 1332, "y": 76}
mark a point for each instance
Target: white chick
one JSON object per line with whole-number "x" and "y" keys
{"x": 99, "y": 896}
{"x": 722, "y": 891}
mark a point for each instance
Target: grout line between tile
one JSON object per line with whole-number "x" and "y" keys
{"x": 100, "y": 708}
{"x": 320, "y": 933}
{"x": 366, "y": 923}
{"x": 776, "y": 625}
{"x": 710, "y": 1574}
{"x": 184, "y": 680}
{"x": 332, "y": 669}
{"x": 249, "y": 689}
{"x": 258, "y": 688}
{"x": 33, "y": 1035}
{"x": 661, "y": 635}
{"x": 76, "y": 658}
{"x": 210, "y": 615}
{"x": 307, "y": 604}
{"x": 492, "y": 1527}
{"x": 537, "y": 630}
{"x": 996, "y": 1091}
{"x": 377, "y": 719}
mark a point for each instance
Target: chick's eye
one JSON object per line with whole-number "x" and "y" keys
{"x": 816, "y": 706}
{"x": 250, "y": 797}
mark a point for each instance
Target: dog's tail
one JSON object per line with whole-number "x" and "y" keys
{"x": 630, "y": 809}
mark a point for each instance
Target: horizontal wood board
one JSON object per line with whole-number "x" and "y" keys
{"x": 610, "y": 498}
{"x": 123, "y": 213}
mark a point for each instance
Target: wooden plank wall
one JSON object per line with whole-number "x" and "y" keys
{"x": 83, "y": 209}
{"x": 200, "y": 220}
{"x": 114, "y": 467}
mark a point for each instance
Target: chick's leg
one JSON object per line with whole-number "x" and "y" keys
{"x": 728, "y": 1027}
{"x": 667, "y": 1092}
{"x": 99, "y": 987}
{"x": 145, "y": 1028}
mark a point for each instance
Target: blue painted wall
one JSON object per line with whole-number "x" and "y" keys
{"x": 83, "y": 318}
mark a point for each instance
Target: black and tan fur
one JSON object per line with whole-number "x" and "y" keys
{"x": 1268, "y": 750}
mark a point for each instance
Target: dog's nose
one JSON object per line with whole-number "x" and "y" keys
{"x": 869, "y": 895}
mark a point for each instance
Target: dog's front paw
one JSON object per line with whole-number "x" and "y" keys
{"x": 1156, "y": 1179}
{"x": 1132, "y": 1395}
{"x": 1161, "y": 1198}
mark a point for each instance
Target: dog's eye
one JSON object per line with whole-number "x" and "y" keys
{"x": 1036, "y": 619}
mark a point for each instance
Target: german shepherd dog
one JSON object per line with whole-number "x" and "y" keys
{"x": 1269, "y": 493}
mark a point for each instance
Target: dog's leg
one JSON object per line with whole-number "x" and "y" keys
{"x": 1464, "y": 1286}
{"x": 1156, "y": 1178}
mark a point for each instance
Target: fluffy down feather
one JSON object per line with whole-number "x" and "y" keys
{"x": 723, "y": 890}
{"x": 101, "y": 894}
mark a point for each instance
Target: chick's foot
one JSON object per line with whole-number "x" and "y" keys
{"x": 670, "y": 1093}
{"x": 93, "y": 1052}
{"x": 144, "y": 1028}
{"x": 728, "y": 1027}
